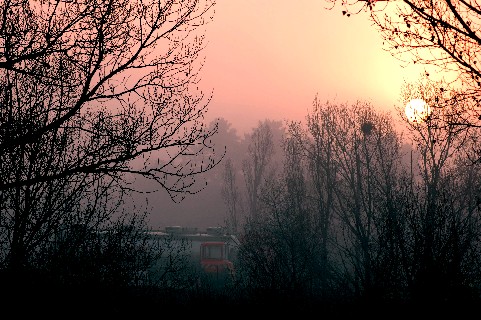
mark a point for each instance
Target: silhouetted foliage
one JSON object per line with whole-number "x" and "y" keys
{"x": 444, "y": 35}
{"x": 97, "y": 100}
{"x": 347, "y": 222}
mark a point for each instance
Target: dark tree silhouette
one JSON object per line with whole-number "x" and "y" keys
{"x": 231, "y": 196}
{"x": 443, "y": 34}
{"x": 280, "y": 251}
{"x": 93, "y": 95}
{"x": 260, "y": 151}
{"x": 118, "y": 76}
{"x": 442, "y": 230}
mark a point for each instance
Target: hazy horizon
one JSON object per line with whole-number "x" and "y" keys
{"x": 270, "y": 59}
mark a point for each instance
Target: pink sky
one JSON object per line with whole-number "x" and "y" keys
{"x": 269, "y": 59}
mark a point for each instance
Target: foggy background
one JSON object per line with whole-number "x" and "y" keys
{"x": 268, "y": 60}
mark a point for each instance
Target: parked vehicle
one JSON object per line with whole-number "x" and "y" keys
{"x": 214, "y": 258}
{"x": 213, "y": 251}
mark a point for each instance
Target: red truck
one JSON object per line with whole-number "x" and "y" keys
{"x": 214, "y": 258}
{"x": 215, "y": 250}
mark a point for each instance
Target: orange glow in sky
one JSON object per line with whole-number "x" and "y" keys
{"x": 269, "y": 59}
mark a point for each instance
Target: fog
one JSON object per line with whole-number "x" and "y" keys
{"x": 229, "y": 158}
{"x": 268, "y": 59}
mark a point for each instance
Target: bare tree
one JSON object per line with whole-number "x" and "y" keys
{"x": 255, "y": 167}
{"x": 120, "y": 76}
{"x": 94, "y": 94}
{"x": 280, "y": 251}
{"x": 322, "y": 168}
{"x": 358, "y": 172}
{"x": 232, "y": 197}
{"x": 440, "y": 226}
{"x": 443, "y": 34}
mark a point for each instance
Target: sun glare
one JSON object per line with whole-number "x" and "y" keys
{"x": 417, "y": 110}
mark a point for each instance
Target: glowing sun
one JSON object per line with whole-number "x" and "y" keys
{"x": 417, "y": 110}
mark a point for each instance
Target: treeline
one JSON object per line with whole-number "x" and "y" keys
{"x": 353, "y": 215}
{"x": 98, "y": 98}
{"x": 338, "y": 216}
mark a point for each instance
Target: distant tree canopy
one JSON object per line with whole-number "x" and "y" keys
{"x": 350, "y": 216}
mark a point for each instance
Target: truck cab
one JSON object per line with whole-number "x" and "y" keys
{"x": 215, "y": 263}
{"x": 214, "y": 257}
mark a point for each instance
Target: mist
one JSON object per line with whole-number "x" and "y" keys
{"x": 212, "y": 158}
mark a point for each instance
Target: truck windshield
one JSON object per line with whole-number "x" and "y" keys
{"x": 212, "y": 252}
